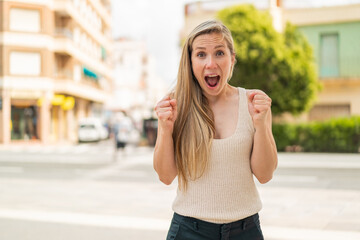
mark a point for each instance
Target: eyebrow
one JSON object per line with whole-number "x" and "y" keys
{"x": 217, "y": 46}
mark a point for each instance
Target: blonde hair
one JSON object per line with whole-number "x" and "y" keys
{"x": 194, "y": 127}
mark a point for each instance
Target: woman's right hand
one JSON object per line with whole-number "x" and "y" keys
{"x": 166, "y": 111}
{"x": 164, "y": 158}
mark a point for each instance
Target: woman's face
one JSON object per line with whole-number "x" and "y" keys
{"x": 211, "y": 62}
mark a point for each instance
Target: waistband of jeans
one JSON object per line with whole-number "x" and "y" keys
{"x": 191, "y": 220}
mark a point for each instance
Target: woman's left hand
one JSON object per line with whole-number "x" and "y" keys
{"x": 264, "y": 153}
{"x": 259, "y": 105}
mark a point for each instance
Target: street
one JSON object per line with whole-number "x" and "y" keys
{"x": 87, "y": 192}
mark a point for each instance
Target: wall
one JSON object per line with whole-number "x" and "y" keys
{"x": 349, "y": 44}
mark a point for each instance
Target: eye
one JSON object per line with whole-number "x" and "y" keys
{"x": 220, "y": 53}
{"x": 200, "y": 54}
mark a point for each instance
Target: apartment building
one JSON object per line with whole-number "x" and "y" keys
{"x": 54, "y": 67}
{"x": 332, "y": 31}
{"x": 137, "y": 87}
{"x": 334, "y": 34}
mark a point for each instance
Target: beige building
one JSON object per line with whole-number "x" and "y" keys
{"x": 333, "y": 32}
{"x": 54, "y": 67}
{"x": 137, "y": 87}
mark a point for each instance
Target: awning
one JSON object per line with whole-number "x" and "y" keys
{"x": 87, "y": 72}
{"x": 57, "y": 99}
{"x": 65, "y": 102}
{"x": 68, "y": 103}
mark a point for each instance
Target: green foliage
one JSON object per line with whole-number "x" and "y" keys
{"x": 285, "y": 135}
{"x": 336, "y": 135}
{"x": 280, "y": 64}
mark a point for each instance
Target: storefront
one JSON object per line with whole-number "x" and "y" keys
{"x": 62, "y": 120}
{"x": 42, "y": 117}
{"x": 24, "y": 120}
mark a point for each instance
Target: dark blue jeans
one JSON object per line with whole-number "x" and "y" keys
{"x": 188, "y": 228}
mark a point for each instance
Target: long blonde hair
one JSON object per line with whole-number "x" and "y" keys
{"x": 194, "y": 127}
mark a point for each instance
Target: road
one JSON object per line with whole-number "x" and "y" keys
{"x": 86, "y": 192}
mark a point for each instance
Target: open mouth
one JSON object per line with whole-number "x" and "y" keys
{"x": 212, "y": 80}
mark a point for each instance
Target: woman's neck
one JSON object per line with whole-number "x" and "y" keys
{"x": 224, "y": 95}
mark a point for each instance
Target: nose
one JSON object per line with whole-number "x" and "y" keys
{"x": 211, "y": 63}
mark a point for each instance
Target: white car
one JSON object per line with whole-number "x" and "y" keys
{"x": 91, "y": 130}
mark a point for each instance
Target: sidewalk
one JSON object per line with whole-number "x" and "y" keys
{"x": 29, "y": 143}
{"x": 314, "y": 211}
{"x": 310, "y": 213}
{"x": 84, "y": 153}
{"x": 286, "y": 160}
{"x": 282, "y": 233}
{"x": 289, "y": 212}
{"x": 141, "y": 224}
{"x": 319, "y": 160}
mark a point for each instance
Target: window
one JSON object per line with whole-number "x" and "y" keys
{"x": 25, "y": 63}
{"x": 324, "y": 112}
{"x": 24, "y": 20}
{"x": 76, "y": 3}
{"x": 77, "y": 73}
{"x": 77, "y": 35}
{"x": 329, "y": 55}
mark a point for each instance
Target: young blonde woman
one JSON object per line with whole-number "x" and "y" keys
{"x": 214, "y": 138}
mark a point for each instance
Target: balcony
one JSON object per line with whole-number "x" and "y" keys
{"x": 66, "y": 9}
{"x": 65, "y": 46}
{"x": 63, "y": 33}
{"x": 64, "y": 74}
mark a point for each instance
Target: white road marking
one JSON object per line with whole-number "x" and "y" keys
{"x": 318, "y": 164}
{"x": 11, "y": 170}
{"x": 81, "y": 149}
{"x": 287, "y": 233}
{"x": 292, "y": 179}
{"x": 88, "y": 219}
{"x": 156, "y": 224}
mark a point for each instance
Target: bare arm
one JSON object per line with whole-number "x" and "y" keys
{"x": 264, "y": 154}
{"x": 164, "y": 157}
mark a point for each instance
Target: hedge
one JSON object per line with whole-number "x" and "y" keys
{"x": 335, "y": 135}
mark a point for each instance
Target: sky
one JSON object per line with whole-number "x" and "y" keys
{"x": 158, "y": 22}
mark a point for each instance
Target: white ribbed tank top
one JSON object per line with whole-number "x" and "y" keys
{"x": 226, "y": 192}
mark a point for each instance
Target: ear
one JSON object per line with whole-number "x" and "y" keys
{"x": 233, "y": 59}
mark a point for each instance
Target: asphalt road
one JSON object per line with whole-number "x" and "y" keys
{"x": 88, "y": 192}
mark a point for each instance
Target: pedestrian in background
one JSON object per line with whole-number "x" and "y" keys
{"x": 214, "y": 138}
{"x": 122, "y": 130}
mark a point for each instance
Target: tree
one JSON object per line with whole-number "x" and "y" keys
{"x": 280, "y": 64}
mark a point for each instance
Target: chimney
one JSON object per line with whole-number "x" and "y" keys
{"x": 276, "y": 13}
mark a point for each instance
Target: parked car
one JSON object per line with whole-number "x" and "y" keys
{"x": 91, "y": 130}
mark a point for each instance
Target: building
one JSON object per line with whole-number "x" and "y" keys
{"x": 54, "y": 67}
{"x": 197, "y": 12}
{"x": 137, "y": 87}
{"x": 334, "y": 33}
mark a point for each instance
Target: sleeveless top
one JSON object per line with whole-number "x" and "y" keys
{"x": 226, "y": 192}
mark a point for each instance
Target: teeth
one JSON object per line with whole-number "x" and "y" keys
{"x": 212, "y": 75}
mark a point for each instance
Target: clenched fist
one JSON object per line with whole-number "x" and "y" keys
{"x": 259, "y": 105}
{"x": 166, "y": 111}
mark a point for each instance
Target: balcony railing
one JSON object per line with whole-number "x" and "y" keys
{"x": 63, "y": 32}
{"x": 63, "y": 74}
{"x": 215, "y": 5}
{"x": 317, "y": 3}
